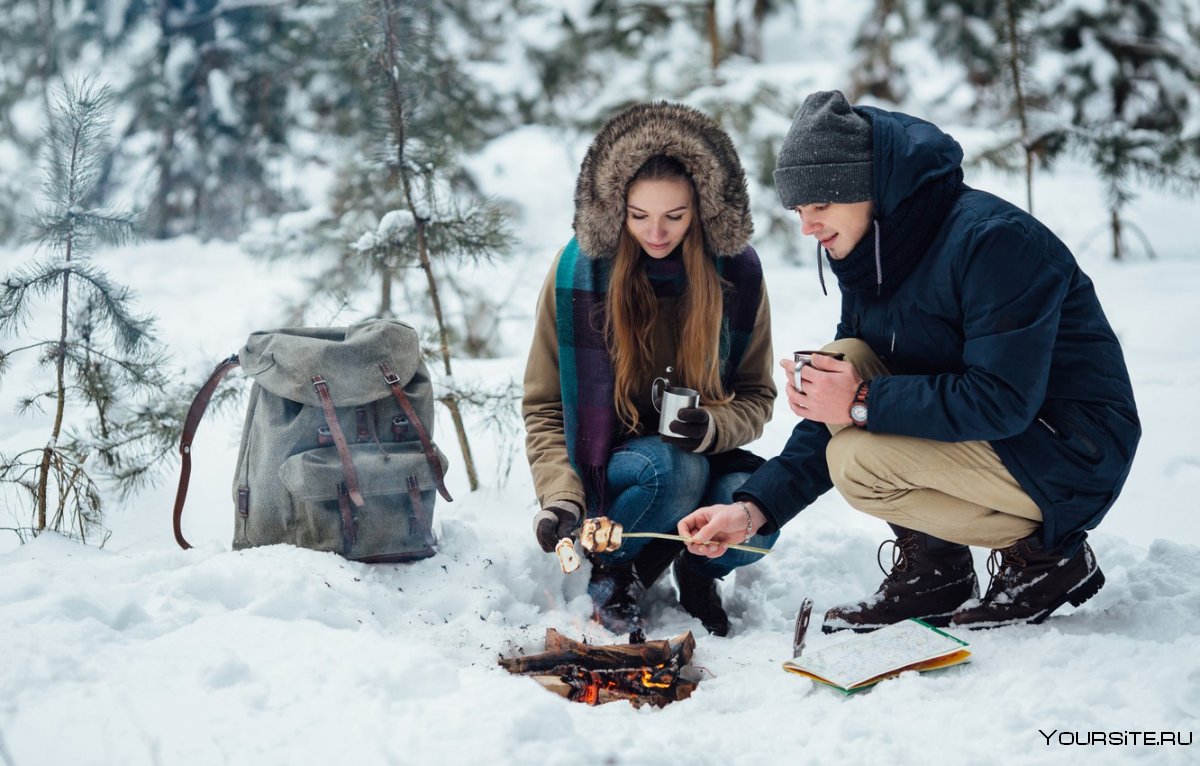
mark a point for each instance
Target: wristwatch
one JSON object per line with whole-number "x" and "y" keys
{"x": 858, "y": 408}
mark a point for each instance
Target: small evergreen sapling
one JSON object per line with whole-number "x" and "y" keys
{"x": 421, "y": 162}
{"x": 405, "y": 214}
{"x": 102, "y": 357}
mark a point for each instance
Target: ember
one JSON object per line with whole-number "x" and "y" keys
{"x": 653, "y": 672}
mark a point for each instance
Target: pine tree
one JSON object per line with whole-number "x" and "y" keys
{"x": 365, "y": 233}
{"x": 749, "y": 17}
{"x": 970, "y": 32}
{"x": 1117, "y": 81}
{"x": 1032, "y": 133}
{"x": 219, "y": 100}
{"x": 592, "y": 60}
{"x": 31, "y": 59}
{"x": 1131, "y": 80}
{"x": 430, "y": 225}
{"x": 103, "y": 356}
{"x": 877, "y": 72}
{"x": 209, "y": 101}
{"x": 1016, "y": 65}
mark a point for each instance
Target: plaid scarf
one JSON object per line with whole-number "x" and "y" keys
{"x": 585, "y": 367}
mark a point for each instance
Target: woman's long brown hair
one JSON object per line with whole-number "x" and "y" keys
{"x": 632, "y": 310}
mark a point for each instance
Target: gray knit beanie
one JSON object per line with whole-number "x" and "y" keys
{"x": 826, "y": 156}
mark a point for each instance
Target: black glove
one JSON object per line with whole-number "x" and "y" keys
{"x": 694, "y": 425}
{"x": 554, "y": 522}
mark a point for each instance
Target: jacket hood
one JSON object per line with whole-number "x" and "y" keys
{"x": 907, "y": 152}
{"x": 625, "y": 143}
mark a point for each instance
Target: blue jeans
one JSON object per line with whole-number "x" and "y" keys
{"x": 652, "y": 485}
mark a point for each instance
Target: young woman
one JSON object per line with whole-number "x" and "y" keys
{"x": 659, "y": 281}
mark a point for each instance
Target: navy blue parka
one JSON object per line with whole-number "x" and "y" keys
{"x": 995, "y": 335}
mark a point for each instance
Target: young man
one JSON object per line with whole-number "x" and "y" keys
{"x": 983, "y": 399}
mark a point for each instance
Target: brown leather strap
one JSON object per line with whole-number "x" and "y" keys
{"x": 360, "y": 421}
{"x": 190, "y": 424}
{"x": 349, "y": 527}
{"x": 414, "y": 496}
{"x": 435, "y": 465}
{"x": 399, "y": 428}
{"x": 339, "y": 441}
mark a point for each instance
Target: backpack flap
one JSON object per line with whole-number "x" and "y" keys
{"x": 284, "y": 361}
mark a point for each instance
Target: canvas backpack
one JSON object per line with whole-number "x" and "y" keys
{"x": 336, "y": 453}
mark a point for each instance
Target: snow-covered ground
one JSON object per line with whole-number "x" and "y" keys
{"x": 140, "y": 653}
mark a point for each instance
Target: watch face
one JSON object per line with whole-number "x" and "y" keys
{"x": 858, "y": 413}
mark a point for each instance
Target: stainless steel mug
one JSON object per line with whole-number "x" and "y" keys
{"x": 669, "y": 400}
{"x": 802, "y": 358}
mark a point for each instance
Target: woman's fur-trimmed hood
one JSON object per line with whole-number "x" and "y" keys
{"x": 625, "y": 143}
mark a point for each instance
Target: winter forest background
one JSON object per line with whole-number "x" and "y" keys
{"x": 346, "y": 139}
{"x": 245, "y": 164}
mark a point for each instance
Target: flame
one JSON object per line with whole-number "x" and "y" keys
{"x": 590, "y": 694}
{"x": 634, "y": 683}
{"x": 648, "y": 678}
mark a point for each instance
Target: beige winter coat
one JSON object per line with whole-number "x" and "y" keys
{"x": 615, "y": 155}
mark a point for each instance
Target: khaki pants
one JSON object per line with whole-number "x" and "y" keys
{"x": 956, "y": 491}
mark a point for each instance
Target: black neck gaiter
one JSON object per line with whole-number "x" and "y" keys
{"x": 903, "y": 237}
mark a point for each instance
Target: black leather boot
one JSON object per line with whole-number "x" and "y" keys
{"x": 1029, "y": 583}
{"x": 654, "y": 559}
{"x": 615, "y": 591}
{"x": 930, "y": 578}
{"x": 699, "y": 596}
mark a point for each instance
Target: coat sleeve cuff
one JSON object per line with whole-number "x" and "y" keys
{"x": 710, "y": 437}
{"x": 772, "y": 525}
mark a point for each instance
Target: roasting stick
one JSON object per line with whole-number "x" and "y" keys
{"x": 601, "y": 534}
{"x": 681, "y": 538}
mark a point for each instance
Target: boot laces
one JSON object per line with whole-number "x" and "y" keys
{"x": 904, "y": 550}
{"x": 1002, "y": 565}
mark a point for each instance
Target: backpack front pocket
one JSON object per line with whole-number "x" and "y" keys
{"x": 398, "y": 490}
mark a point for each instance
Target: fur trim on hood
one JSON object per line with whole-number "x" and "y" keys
{"x": 625, "y": 143}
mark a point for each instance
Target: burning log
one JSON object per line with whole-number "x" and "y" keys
{"x": 561, "y": 650}
{"x": 654, "y": 672}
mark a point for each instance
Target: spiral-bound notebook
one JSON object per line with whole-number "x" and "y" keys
{"x": 865, "y": 659}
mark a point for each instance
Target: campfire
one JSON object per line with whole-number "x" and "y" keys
{"x": 652, "y": 672}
